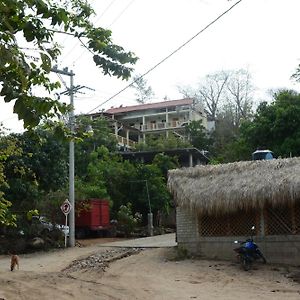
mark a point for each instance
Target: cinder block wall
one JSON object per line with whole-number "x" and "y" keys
{"x": 187, "y": 232}
{"x": 284, "y": 249}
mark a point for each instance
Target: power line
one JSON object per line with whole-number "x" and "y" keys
{"x": 98, "y": 19}
{"x": 120, "y": 14}
{"x": 113, "y": 22}
{"x": 171, "y": 54}
{"x": 105, "y": 10}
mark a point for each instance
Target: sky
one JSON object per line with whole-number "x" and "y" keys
{"x": 258, "y": 35}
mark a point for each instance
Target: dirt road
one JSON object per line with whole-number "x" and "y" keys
{"x": 146, "y": 274}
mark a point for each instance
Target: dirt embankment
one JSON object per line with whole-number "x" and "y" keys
{"x": 115, "y": 273}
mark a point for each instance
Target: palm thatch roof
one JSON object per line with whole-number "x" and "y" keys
{"x": 241, "y": 185}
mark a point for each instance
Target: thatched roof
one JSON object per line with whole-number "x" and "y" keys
{"x": 239, "y": 185}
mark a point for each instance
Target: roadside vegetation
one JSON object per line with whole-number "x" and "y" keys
{"x": 34, "y": 164}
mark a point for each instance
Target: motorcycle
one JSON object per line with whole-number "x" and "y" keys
{"x": 248, "y": 252}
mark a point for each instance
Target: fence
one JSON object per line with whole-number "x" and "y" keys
{"x": 279, "y": 220}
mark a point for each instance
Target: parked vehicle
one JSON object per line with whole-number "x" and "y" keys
{"x": 248, "y": 252}
{"x": 92, "y": 216}
{"x": 263, "y": 155}
{"x": 44, "y": 227}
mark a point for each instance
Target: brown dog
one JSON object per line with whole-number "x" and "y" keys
{"x": 14, "y": 262}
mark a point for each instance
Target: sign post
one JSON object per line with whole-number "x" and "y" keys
{"x": 66, "y": 208}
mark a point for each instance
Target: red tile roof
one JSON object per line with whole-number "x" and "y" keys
{"x": 163, "y": 104}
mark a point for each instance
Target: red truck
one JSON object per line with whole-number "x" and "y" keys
{"x": 92, "y": 216}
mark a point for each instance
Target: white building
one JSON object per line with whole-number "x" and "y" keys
{"x": 135, "y": 122}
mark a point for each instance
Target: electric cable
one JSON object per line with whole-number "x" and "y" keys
{"x": 99, "y": 17}
{"x": 167, "y": 57}
{"x": 113, "y": 22}
{"x": 121, "y": 13}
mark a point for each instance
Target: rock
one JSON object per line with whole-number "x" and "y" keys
{"x": 100, "y": 261}
{"x": 37, "y": 243}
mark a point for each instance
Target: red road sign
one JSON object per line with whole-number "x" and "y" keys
{"x": 66, "y": 207}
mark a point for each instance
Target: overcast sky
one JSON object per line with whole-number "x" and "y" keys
{"x": 259, "y": 35}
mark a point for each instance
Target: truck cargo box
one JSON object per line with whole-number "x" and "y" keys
{"x": 92, "y": 216}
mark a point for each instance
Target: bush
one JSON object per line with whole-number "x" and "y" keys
{"x": 128, "y": 222}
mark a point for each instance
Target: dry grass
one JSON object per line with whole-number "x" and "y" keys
{"x": 239, "y": 185}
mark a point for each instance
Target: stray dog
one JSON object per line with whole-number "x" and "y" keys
{"x": 14, "y": 262}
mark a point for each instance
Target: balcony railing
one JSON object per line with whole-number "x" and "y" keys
{"x": 125, "y": 142}
{"x": 162, "y": 125}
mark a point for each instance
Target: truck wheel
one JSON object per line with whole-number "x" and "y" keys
{"x": 99, "y": 233}
{"x": 112, "y": 232}
{"x": 80, "y": 233}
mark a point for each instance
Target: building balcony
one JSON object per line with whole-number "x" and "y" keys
{"x": 163, "y": 125}
{"x": 125, "y": 142}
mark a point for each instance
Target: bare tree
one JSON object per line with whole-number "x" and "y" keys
{"x": 227, "y": 93}
{"x": 188, "y": 92}
{"x": 143, "y": 92}
{"x": 210, "y": 92}
{"x": 240, "y": 95}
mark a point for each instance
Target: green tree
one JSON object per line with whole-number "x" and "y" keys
{"x": 109, "y": 176}
{"x": 165, "y": 163}
{"x": 126, "y": 219}
{"x": 42, "y": 168}
{"x": 101, "y": 135}
{"x": 160, "y": 198}
{"x": 276, "y": 125}
{"x": 92, "y": 185}
{"x": 161, "y": 143}
{"x": 33, "y": 25}
{"x": 197, "y": 135}
{"x": 8, "y": 148}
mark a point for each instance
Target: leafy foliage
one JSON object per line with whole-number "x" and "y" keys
{"x": 126, "y": 219}
{"x": 198, "y": 135}
{"x": 37, "y": 169}
{"x": 161, "y": 143}
{"x": 35, "y": 25}
{"x": 101, "y": 136}
{"x": 108, "y": 176}
{"x": 276, "y": 125}
{"x": 8, "y": 146}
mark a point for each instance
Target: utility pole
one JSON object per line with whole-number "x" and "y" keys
{"x": 72, "y": 165}
{"x": 71, "y": 91}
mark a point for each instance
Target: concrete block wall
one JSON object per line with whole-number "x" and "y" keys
{"x": 187, "y": 232}
{"x": 282, "y": 249}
